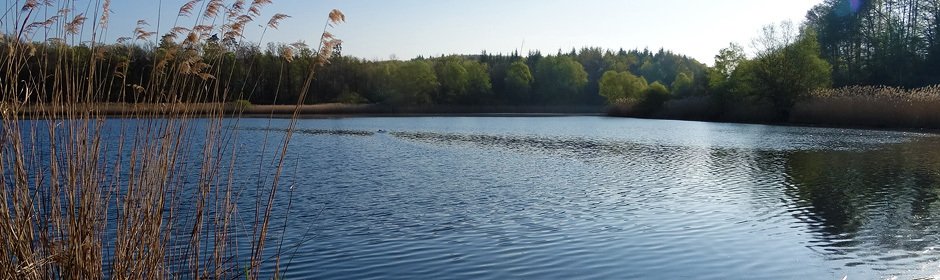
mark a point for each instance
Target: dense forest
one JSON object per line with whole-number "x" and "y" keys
{"x": 879, "y": 42}
{"x": 841, "y": 43}
{"x": 275, "y": 74}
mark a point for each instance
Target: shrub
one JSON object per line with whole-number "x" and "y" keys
{"x": 653, "y": 98}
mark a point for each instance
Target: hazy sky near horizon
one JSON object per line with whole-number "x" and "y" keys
{"x": 407, "y": 28}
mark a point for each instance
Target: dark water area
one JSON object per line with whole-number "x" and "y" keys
{"x": 597, "y": 198}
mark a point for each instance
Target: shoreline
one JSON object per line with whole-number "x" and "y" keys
{"x": 335, "y": 110}
{"x": 313, "y": 111}
{"x": 932, "y": 131}
{"x": 421, "y": 115}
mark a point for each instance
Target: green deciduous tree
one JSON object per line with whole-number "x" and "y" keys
{"x": 728, "y": 59}
{"x": 882, "y": 42}
{"x": 519, "y": 82}
{"x": 274, "y": 74}
{"x": 594, "y": 65}
{"x": 619, "y": 87}
{"x": 682, "y": 86}
{"x": 380, "y": 82}
{"x": 454, "y": 80}
{"x": 559, "y": 79}
{"x": 788, "y": 69}
{"x": 414, "y": 83}
{"x": 479, "y": 85}
{"x": 653, "y": 98}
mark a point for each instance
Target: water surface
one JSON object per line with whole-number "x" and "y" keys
{"x": 596, "y": 197}
{"x": 567, "y": 198}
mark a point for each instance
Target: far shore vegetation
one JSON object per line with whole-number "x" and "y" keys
{"x": 874, "y": 55}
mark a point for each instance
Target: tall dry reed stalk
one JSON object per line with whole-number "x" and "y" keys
{"x": 871, "y": 106}
{"x": 86, "y": 196}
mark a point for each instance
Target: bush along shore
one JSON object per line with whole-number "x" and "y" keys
{"x": 855, "y": 106}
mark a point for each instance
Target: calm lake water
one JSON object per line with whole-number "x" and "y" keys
{"x": 596, "y": 197}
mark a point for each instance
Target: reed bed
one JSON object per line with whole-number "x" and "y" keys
{"x": 690, "y": 108}
{"x": 877, "y": 106}
{"x": 151, "y": 193}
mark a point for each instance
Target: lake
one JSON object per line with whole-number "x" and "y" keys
{"x": 583, "y": 197}
{"x": 598, "y": 197}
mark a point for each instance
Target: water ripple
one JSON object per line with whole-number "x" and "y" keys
{"x": 597, "y": 198}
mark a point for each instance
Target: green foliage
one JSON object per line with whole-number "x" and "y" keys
{"x": 454, "y": 80}
{"x": 743, "y": 83}
{"x": 728, "y": 60}
{"x": 592, "y": 59}
{"x": 276, "y": 74}
{"x": 519, "y": 82}
{"x": 414, "y": 83}
{"x": 787, "y": 69}
{"x": 722, "y": 80}
{"x": 378, "y": 81}
{"x": 479, "y": 87}
{"x": 893, "y": 43}
{"x": 559, "y": 79}
{"x": 619, "y": 87}
{"x": 343, "y": 76}
{"x": 682, "y": 86}
{"x": 657, "y": 88}
{"x": 462, "y": 81}
{"x": 619, "y": 62}
{"x": 792, "y": 72}
{"x": 653, "y": 98}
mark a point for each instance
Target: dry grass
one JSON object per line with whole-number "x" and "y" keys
{"x": 625, "y": 107}
{"x": 88, "y": 197}
{"x": 871, "y": 106}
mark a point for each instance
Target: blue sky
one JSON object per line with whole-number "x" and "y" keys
{"x": 378, "y": 29}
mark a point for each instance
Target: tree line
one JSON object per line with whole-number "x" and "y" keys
{"x": 577, "y": 77}
{"x": 841, "y": 43}
{"x": 879, "y": 42}
{"x": 275, "y": 74}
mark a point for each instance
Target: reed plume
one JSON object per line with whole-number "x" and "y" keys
{"x": 881, "y": 106}
{"x": 141, "y": 190}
